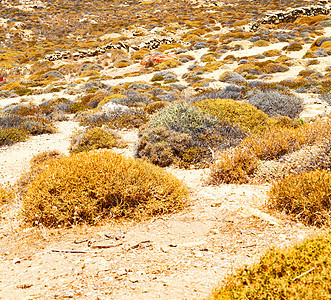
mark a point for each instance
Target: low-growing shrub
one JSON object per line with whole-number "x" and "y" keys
{"x": 299, "y": 272}
{"x": 43, "y": 157}
{"x": 293, "y": 46}
{"x": 245, "y": 115}
{"x": 93, "y": 138}
{"x": 129, "y": 119}
{"x": 37, "y": 125}
{"x": 320, "y": 160}
{"x": 274, "y": 103}
{"x": 89, "y": 186}
{"x": 272, "y": 144}
{"x": 61, "y": 104}
{"x": 179, "y": 131}
{"x": 155, "y": 106}
{"x": 92, "y": 100}
{"x": 233, "y": 166}
{"x": 306, "y": 197}
{"x": 118, "y": 117}
{"x": 117, "y": 98}
{"x": 167, "y": 64}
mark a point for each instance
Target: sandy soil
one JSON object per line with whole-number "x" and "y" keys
{"x": 180, "y": 256}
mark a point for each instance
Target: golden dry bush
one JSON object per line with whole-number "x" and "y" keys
{"x": 44, "y": 156}
{"x": 233, "y": 166}
{"x": 299, "y": 272}
{"x": 89, "y": 186}
{"x": 237, "y": 165}
{"x": 306, "y": 197}
{"x": 155, "y": 106}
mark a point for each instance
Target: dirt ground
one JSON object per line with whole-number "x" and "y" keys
{"x": 180, "y": 256}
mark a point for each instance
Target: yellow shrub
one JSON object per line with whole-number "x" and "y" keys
{"x": 93, "y": 138}
{"x": 165, "y": 47}
{"x": 233, "y": 166}
{"x": 306, "y": 197}
{"x": 155, "y": 106}
{"x": 89, "y": 73}
{"x": 167, "y": 64}
{"x": 276, "y": 276}
{"x": 262, "y": 43}
{"x": 110, "y": 98}
{"x": 88, "y": 186}
{"x": 245, "y": 115}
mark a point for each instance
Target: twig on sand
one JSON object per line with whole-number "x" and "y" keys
{"x": 105, "y": 246}
{"x": 80, "y": 242}
{"x": 142, "y": 244}
{"x": 303, "y": 274}
{"x": 71, "y": 251}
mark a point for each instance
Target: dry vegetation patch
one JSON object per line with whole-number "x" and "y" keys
{"x": 88, "y": 186}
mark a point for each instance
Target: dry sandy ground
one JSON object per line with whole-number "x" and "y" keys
{"x": 181, "y": 256}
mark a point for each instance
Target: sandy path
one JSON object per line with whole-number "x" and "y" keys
{"x": 14, "y": 159}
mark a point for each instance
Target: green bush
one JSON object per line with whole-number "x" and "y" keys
{"x": 306, "y": 197}
{"x": 182, "y": 133}
{"x": 245, "y": 115}
{"x": 276, "y": 275}
{"x": 93, "y": 138}
{"x": 89, "y": 186}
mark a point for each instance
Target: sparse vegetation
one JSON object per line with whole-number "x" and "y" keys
{"x": 225, "y": 105}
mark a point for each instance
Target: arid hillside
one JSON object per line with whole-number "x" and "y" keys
{"x": 165, "y": 149}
